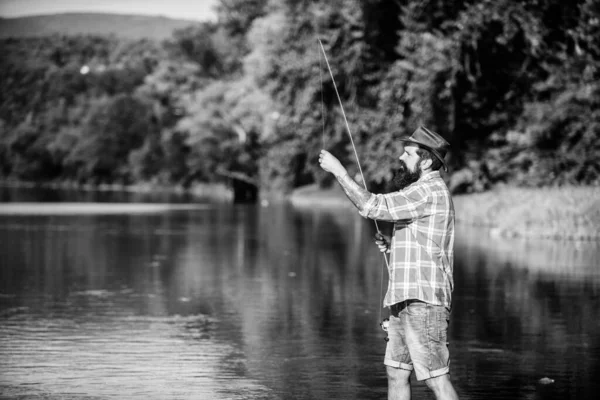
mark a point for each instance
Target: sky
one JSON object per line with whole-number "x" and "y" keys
{"x": 201, "y": 10}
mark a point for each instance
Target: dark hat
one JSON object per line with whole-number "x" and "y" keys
{"x": 430, "y": 141}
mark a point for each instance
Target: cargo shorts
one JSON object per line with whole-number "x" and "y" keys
{"x": 417, "y": 334}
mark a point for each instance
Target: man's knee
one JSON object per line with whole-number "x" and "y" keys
{"x": 398, "y": 376}
{"x": 442, "y": 387}
{"x": 439, "y": 382}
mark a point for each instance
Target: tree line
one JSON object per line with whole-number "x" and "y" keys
{"x": 512, "y": 84}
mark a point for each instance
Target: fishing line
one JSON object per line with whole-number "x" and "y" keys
{"x": 322, "y": 99}
{"x": 355, "y": 154}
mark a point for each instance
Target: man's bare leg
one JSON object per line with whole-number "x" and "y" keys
{"x": 398, "y": 383}
{"x": 442, "y": 387}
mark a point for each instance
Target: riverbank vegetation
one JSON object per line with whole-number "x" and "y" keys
{"x": 570, "y": 213}
{"x": 513, "y": 85}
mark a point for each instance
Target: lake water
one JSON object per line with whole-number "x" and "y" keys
{"x": 213, "y": 301}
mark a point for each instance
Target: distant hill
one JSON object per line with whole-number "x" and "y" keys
{"x": 127, "y": 26}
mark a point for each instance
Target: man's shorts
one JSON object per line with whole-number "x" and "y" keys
{"x": 418, "y": 339}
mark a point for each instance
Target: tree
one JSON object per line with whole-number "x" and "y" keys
{"x": 115, "y": 128}
{"x": 556, "y": 138}
{"x": 26, "y": 150}
{"x": 223, "y": 125}
{"x": 511, "y": 83}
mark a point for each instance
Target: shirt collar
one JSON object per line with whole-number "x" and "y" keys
{"x": 429, "y": 176}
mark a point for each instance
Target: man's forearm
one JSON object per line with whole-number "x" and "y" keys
{"x": 357, "y": 195}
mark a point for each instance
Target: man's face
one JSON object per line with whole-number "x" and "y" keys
{"x": 409, "y": 170}
{"x": 410, "y": 158}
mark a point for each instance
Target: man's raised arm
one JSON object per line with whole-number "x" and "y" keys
{"x": 357, "y": 195}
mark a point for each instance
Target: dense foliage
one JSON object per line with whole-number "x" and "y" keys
{"x": 512, "y": 84}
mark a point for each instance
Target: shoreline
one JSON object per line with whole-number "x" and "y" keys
{"x": 213, "y": 191}
{"x": 70, "y": 208}
{"x": 566, "y": 213}
{"x": 560, "y": 213}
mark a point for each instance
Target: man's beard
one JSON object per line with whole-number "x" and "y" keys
{"x": 405, "y": 177}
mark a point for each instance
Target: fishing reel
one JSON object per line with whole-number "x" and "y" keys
{"x": 385, "y": 324}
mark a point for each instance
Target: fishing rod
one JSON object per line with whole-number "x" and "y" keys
{"x": 384, "y": 323}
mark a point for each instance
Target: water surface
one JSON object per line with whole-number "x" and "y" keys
{"x": 251, "y": 302}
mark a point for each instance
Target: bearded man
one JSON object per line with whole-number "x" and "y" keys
{"x": 420, "y": 270}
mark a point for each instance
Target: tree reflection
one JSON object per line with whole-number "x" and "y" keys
{"x": 294, "y": 296}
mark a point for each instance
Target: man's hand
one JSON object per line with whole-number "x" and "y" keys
{"x": 383, "y": 242}
{"x": 331, "y": 164}
{"x": 357, "y": 195}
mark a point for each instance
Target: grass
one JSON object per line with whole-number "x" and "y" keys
{"x": 550, "y": 213}
{"x": 313, "y": 196}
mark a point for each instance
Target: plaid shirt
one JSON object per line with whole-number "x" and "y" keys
{"x": 422, "y": 248}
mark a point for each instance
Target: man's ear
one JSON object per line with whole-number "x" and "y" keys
{"x": 425, "y": 164}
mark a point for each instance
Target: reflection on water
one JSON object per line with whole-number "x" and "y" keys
{"x": 252, "y": 302}
{"x": 528, "y": 310}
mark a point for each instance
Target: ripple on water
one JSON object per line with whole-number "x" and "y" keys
{"x": 120, "y": 355}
